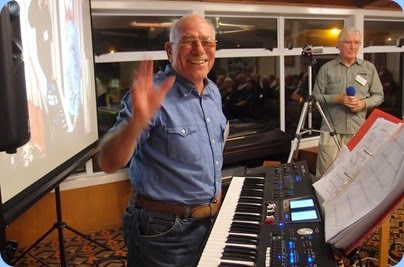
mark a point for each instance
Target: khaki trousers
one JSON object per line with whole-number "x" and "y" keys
{"x": 328, "y": 150}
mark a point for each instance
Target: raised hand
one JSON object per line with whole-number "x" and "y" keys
{"x": 117, "y": 147}
{"x": 146, "y": 97}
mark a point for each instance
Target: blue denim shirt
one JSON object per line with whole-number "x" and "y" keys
{"x": 179, "y": 156}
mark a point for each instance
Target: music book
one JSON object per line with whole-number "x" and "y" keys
{"x": 364, "y": 183}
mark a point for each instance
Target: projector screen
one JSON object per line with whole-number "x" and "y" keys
{"x": 59, "y": 73}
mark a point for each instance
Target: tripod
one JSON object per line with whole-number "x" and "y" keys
{"x": 307, "y": 111}
{"x": 60, "y": 226}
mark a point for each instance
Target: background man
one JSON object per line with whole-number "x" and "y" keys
{"x": 345, "y": 113}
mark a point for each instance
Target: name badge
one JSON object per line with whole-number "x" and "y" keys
{"x": 360, "y": 79}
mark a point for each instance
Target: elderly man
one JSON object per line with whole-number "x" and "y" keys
{"x": 171, "y": 129}
{"x": 345, "y": 113}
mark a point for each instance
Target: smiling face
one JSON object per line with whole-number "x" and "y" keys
{"x": 192, "y": 49}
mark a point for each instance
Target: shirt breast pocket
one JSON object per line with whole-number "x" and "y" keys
{"x": 183, "y": 144}
{"x": 334, "y": 84}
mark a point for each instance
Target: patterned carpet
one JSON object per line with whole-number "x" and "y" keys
{"x": 79, "y": 251}
{"x": 87, "y": 253}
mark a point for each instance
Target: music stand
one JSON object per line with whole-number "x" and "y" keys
{"x": 308, "y": 109}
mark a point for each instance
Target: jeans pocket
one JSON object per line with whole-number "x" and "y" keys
{"x": 157, "y": 226}
{"x": 126, "y": 224}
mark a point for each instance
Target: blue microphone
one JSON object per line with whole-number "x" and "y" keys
{"x": 350, "y": 91}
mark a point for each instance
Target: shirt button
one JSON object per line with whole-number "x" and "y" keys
{"x": 217, "y": 162}
{"x": 183, "y": 131}
{"x": 208, "y": 119}
{"x": 213, "y": 141}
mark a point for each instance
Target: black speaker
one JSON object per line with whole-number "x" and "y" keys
{"x": 14, "y": 117}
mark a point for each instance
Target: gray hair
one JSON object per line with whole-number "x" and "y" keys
{"x": 349, "y": 31}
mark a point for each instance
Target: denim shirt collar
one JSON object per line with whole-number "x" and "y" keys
{"x": 186, "y": 87}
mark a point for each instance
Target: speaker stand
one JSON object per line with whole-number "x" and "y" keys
{"x": 60, "y": 226}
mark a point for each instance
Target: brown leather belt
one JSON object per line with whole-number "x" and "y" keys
{"x": 197, "y": 212}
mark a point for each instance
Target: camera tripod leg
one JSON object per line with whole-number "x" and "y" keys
{"x": 296, "y": 141}
{"x": 298, "y": 134}
{"x": 328, "y": 125}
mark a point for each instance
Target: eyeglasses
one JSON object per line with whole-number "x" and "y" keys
{"x": 189, "y": 41}
{"x": 354, "y": 43}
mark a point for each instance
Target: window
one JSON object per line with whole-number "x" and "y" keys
{"x": 315, "y": 32}
{"x": 113, "y": 81}
{"x": 389, "y": 62}
{"x": 384, "y": 33}
{"x": 249, "y": 49}
{"x": 245, "y": 32}
{"x": 113, "y": 33}
{"x": 390, "y": 69}
{"x": 306, "y": 33}
{"x": 250, "y": 88}
{"x": 298, "y": 89}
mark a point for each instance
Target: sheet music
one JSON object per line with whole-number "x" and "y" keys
{"x": 378, "y": 184}
{"x": 349, "y": 163}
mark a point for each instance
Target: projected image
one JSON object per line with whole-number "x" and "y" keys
{"x": 46, "y": 114}
{"x": 72, "y": 70}
{"x": 60, "y": 85}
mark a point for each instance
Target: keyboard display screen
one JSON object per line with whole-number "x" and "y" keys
{"x": 303, "y": 215}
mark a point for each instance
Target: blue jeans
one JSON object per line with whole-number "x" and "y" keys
{"x": 159, "y": 239}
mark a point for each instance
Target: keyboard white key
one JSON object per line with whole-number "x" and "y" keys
{"x": 212, "y": 253}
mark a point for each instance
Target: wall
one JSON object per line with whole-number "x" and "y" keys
{"x": 86, "y": 209}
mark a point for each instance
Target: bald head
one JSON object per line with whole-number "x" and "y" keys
{"x": 177, "y": 26}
